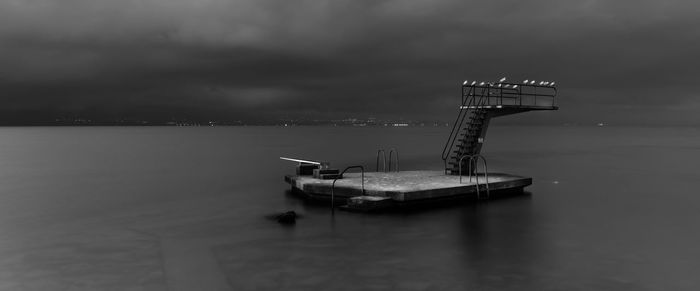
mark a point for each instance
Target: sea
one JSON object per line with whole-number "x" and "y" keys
{"x": 191, "y": 208}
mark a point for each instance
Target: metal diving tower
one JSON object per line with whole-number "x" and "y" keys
{"x": 482, "y": 101}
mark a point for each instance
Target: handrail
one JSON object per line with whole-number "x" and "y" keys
{"x": 460, "y": 167}
{"x": 475, "y": 159}
{"x": 340, "y": 176}
{"x": 486, "y": 174}
{"x": 393, "y": 150}
{"x": 383, "y": 160}
{"x": 476, "y": 110}
{"x": 458, "y": 123}
{"x": 387, "y": 167}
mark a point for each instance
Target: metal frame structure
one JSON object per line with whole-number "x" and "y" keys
{"x": 475, "y": 160}
{"x": 485, "y": 100}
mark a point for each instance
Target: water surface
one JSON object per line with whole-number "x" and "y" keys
{"x": 157, "y": 208}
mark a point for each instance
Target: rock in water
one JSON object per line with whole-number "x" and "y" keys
{"x": 288, "y": 217}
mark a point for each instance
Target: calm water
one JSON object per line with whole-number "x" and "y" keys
{"x": 148, "y": 208}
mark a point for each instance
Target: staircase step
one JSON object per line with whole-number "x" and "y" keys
{"x": 464, "y": 151}
{"x": 467, "y": 146}
{"x": 456, "y": 159}
{"x": 468, "y": 136}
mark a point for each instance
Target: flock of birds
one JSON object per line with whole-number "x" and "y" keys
{"x": 513, "y": 86}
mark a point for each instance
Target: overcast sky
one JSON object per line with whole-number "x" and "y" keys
{"x": 614, "y": 61}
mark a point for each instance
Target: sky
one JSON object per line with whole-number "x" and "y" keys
{"x": 619, "y": 62}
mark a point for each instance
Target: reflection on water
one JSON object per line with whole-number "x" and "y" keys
{"x": 611, "y": 208}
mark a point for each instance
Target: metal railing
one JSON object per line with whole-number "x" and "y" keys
{"x": 505, "y": 93}
{"x": 396, "y": 152}
{"x": 470, "y": 99}
{"x": 474, "y": 159}
{"x": 383, "y": 160}
{"x": 392, "y": 152}
{"x": 340, "y": 176}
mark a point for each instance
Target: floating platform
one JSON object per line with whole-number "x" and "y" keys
{"x": 384, "y": 190}
{"x": 480, "y": 102}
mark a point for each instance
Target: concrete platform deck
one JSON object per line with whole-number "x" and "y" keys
{"x": 406, "y": 186}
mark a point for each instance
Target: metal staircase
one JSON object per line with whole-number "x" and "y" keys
{"x": 483, "y": 101}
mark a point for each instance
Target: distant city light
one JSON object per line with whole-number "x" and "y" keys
{"x": 515, "y": 86}
{"x": 551, "y": 84}
{"x": 473, "y": 82}
{"x": 532, "y": 82}
{"x": 481, "y": 84}
{"x": 525, "y": 82}
{"x": 502, "y": 79}
{"x": 465, "y": 82}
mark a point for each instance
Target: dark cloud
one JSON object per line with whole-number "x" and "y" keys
{"x": 219, "y": 59}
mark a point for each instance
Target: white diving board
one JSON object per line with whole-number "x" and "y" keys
{"x": 300, "y": 161}
{"x": 322, "y": 165}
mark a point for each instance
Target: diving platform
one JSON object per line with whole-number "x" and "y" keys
{"x": 461, "y": 178}
{"x": 512, "y": 107}
{"x": 501, "y": 110}
{"x": 384, "y": 190}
